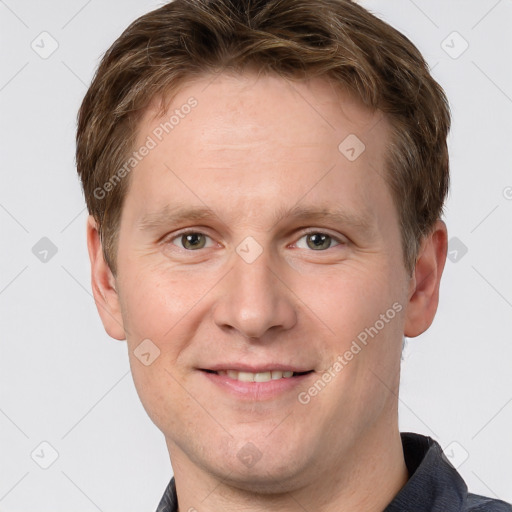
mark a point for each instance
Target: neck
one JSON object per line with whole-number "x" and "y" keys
{"x": 367, "y": 478}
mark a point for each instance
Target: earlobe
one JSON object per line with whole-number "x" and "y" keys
{"x": 425, "y": 282}
{"x": 104, "y": 285}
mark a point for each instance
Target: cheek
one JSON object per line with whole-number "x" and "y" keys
{"x": 365, "y": 312}
{"x": 159, "y": 392}
{"x": 155, "y": 299}
{"x": 350, "y": 299}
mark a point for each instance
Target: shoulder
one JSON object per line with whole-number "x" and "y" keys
{"x": 476, "y": 503}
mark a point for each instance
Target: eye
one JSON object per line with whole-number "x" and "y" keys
{"x": 191, "y": 240}
{"x": 315, "y": 240}
{"x": 318, "y": 241}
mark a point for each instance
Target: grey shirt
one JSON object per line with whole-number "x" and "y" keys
{"x": 434, "y": 485}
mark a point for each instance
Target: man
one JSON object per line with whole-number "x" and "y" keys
{"x": 265, "y": 182}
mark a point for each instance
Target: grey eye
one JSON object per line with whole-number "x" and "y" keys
{"x": 318, "y": 241}
{"x": 192, "y": 240}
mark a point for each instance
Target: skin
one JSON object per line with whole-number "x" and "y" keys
{"x": 251, "y": 146}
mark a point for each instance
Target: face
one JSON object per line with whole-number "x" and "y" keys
{"x": 259, "y": 238}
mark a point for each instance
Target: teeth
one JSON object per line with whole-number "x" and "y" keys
{"x": 262, "y": 377}
{"x": 246, "y": 376}
{"x": 256, "y": 377}
{"x": 232, "y": 374}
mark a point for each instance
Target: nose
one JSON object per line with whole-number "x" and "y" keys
{"x": 255, "y": 298}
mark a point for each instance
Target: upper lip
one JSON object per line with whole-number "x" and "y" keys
{"x": 267, "y": 367}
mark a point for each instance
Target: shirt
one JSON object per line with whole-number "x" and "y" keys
{"x": 434, "y": 485}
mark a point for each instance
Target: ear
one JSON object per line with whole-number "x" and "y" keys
{"x": 104, "y": 285}
{"x": 425, "y": 281}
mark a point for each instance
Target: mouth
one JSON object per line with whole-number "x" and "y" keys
{"x": 262, "y": 376}
{"x": 259, "y": 381}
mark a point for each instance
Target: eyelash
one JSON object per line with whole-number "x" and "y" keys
{"x": 303, "y": 234}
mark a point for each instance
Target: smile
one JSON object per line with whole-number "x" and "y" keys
{"x": 259, "y": 376}
{"x": 262, "y": 385}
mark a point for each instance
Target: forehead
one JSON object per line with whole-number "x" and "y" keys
{"x": 265, "y": 102}
{"x": 244, "y": 140}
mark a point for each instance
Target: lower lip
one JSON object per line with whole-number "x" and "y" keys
{"x": 256, "y": 390}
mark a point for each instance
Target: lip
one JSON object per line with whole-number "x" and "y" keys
{"x": 256, "y": 391}
{"x": 267, "y": 367}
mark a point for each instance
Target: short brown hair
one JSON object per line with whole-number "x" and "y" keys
{"x": 297, "y": 39}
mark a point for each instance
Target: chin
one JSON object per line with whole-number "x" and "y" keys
{"x": 269, "y": 471}
{"x": 264, "y": 480}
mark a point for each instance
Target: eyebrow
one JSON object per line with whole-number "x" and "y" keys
{"x": 172, "y": 216}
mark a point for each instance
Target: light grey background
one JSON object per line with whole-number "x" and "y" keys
{"x": 63, "y": 381}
